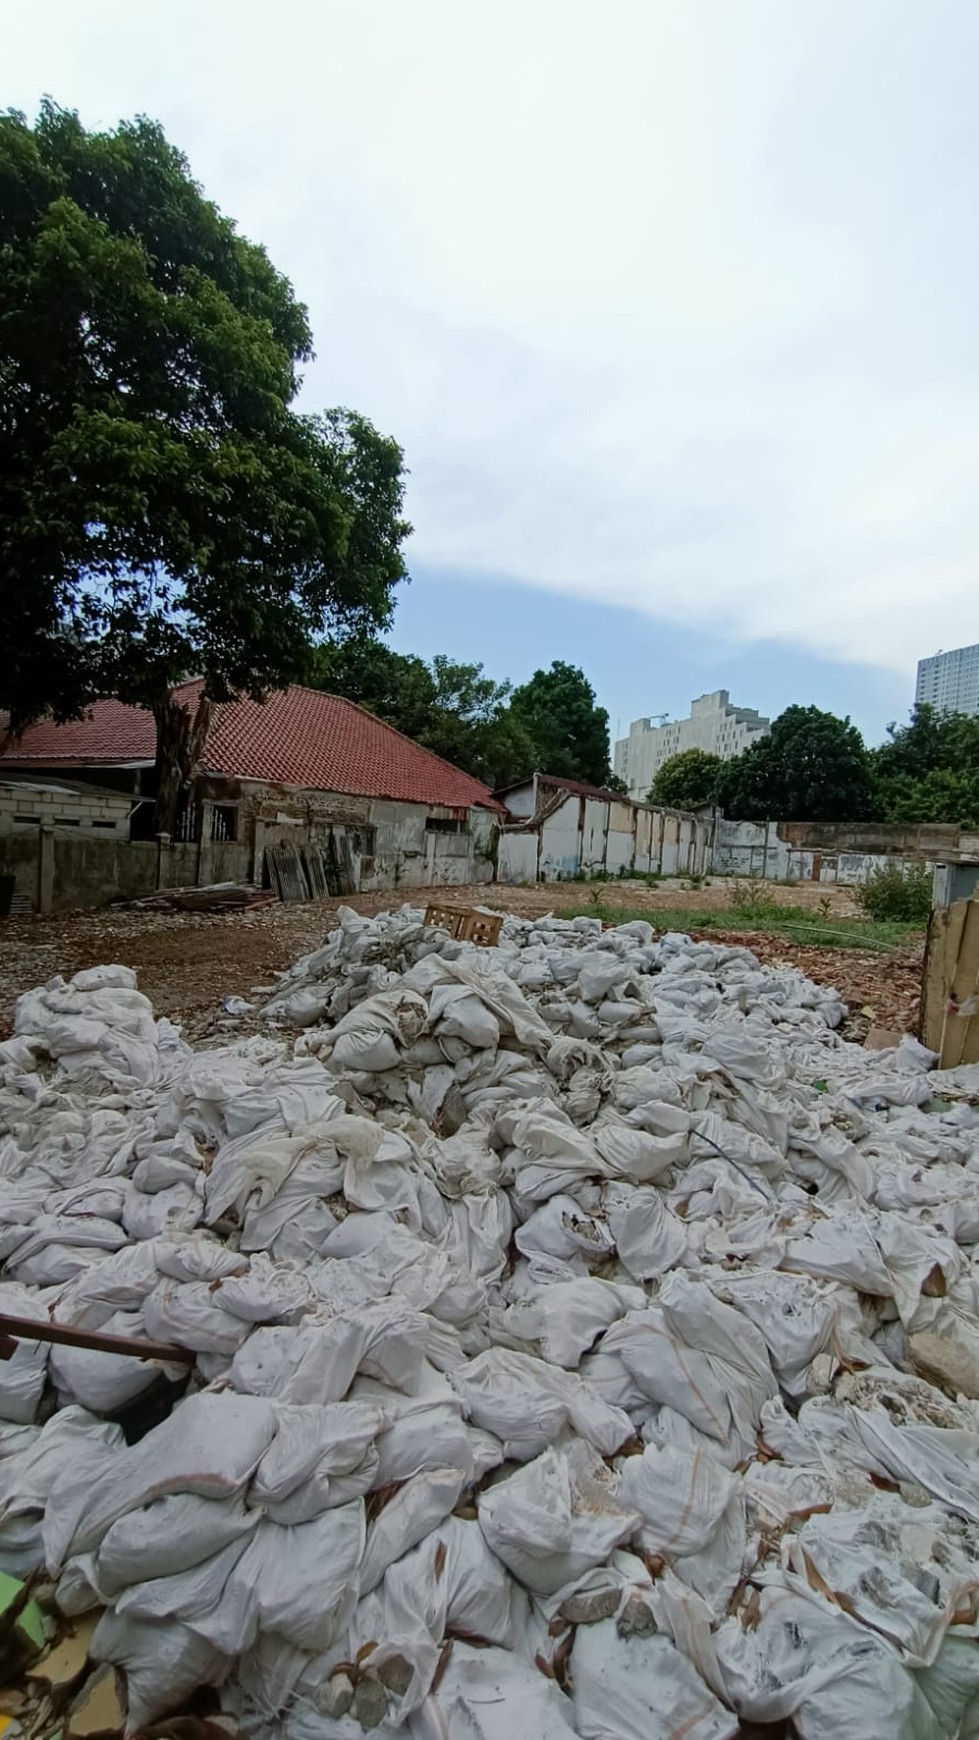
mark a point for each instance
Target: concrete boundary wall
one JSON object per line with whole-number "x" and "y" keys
{"x": 831, "y": 852}
{"x": 392, "y": 845}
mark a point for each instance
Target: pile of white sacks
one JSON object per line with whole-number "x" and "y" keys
{"x": 558, "y": 1313}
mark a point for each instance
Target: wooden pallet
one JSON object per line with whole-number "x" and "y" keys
{"x": 483, "y": 929}
{"x": 466, "y": 924}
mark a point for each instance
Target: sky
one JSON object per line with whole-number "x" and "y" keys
{"x": 670, "y": 303}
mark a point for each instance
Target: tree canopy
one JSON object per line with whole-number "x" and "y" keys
{"x": 495, "y": 733}
{"x": 557, "y": 707}
{"x": 811, "y": 767}
{"x": 166, "y": 512}
{"x": 690, "y": 778}
{"x": 928, "y": 770}
{"x": 454, "y": 709}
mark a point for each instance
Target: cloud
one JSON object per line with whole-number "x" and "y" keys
{"x": 670, "y": 306}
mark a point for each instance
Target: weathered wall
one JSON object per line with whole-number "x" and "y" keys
{"x": 56, "y": 869}
{"x": 594, "y": 833}
{"x": 584, "y": 834}
{"x": 518, "y": 857}
{"x": 831, "y": 852}
{"x": 25, "y": 805}
{"x": 19, "y": 858}
{"x": 620, "y": 839}
{"x": 560, "y": 841}
{"x": 407, "y": 854}
{"x": 670, "y": 853}
{"x": 522, "y": 799}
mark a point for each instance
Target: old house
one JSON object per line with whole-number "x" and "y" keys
{"x": 559, "y": 828}
{"x": 302, "y": 768}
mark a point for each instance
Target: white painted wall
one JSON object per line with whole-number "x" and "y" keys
{"x": 518, "y": 857}
{"x": 594, "y": 834}
{"x": 594, "y": 831}
{"x": 755, "y": 849}
{"x": 560, "y": 842}
{"x": 522, "y": 801}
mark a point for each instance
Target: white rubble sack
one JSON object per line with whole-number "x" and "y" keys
{"x": 584, "y": 1341}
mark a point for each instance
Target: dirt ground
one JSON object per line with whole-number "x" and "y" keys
{"x": 187, "y": 962}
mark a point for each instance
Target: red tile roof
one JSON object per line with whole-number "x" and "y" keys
{"x": 110, "y": 734}
{"x": 297, "y": 737}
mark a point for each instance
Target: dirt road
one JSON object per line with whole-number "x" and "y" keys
{"x": 188, "y": 961}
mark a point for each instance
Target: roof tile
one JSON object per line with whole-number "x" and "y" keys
{"x": 297, "y": 737}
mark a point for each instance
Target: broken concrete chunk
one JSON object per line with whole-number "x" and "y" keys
{"x": 636, "y": 1618}
{"x": 370, "y": 1705}
{"x": 591, "y": 1606}
{"x": 947, "y": 1363}
{"x": 336, "y": 1696}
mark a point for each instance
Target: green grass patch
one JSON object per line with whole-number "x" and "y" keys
{"x": 767, "y": 917}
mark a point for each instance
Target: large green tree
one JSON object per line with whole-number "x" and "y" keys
{"x": 687, "y": 779}
{"x": 568, "y": 729}
{"x": 165, "y": 510}
{"x": 928, "y": 770}
{"x": 812, "y": 767}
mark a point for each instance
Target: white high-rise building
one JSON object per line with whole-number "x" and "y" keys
{"x": 713, "y": 725}
{"x": 950, "y": 681}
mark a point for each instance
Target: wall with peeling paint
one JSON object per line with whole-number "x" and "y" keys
{"x": 832, "y": 852}
{"x": 556, "y": 835}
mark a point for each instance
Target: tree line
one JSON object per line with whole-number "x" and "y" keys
{"x": 815, "y": 767}
{"x": 498, "y": 733}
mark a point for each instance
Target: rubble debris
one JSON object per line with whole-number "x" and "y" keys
{"x": 946, "y": 1362}
{"x": 556, "y": 1311}
{"x": 211, "y": 897}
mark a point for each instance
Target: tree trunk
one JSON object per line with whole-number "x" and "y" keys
{"x": 180, "y": 738}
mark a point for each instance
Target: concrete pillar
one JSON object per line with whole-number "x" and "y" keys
{"x": 202, "y": 864}
{"x": 45, "y": 867}
{"x": 163, "y": 875}
{"x": 259, "y": 857}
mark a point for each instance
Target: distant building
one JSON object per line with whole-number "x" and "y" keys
{"x": 713, "y": 725}
{"x": 950, "y": 681}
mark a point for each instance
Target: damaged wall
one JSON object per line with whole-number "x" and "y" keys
{"x": 572, "y": 833}
{"x": 832, "y": 852}
{"x": 391, "y": 845}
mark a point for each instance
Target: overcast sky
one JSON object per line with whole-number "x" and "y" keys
{"x": 672, "y": 305}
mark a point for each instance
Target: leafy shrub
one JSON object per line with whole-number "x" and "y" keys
{"x": 752, "y": 904}
{"x": 897, "y": 893}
